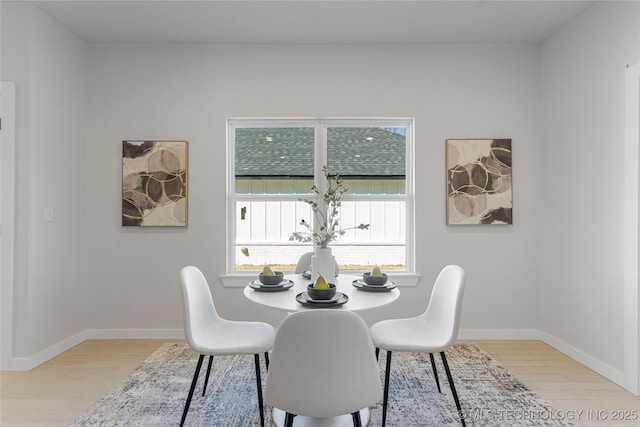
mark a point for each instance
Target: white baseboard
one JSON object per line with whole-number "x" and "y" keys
{"x": 135, "y": 334}
{"x": 607, "y": 371}
{"x": 28, "y": 363}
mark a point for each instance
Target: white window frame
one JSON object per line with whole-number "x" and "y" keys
{"x": 320, "y": 158}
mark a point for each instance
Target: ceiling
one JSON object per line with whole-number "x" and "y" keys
{"x": 312, "y": 21}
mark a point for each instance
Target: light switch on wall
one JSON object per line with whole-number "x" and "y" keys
{"x": 48, "y": 214}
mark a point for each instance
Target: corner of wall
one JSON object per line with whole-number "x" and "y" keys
{"x": 28, "y": 363}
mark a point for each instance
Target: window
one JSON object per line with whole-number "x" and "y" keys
{"x": 274, "y": 162}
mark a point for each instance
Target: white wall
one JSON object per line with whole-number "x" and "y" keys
{"x": 582, "y": 195}
{"x": 556, "y": 269}
{"x": 47, "y": 64}
{"x": 187, "y": 92}
{"x": 7, "y": 204}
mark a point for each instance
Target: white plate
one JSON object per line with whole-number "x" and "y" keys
{"x": 259, "y": 283}
{"x": 335, "y": 298}
{"x": 303, "y": 298}
{"x": 373, "y": 288}
{"x": 261, "y": 287}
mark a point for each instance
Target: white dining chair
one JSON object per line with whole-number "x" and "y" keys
{"x": 322, "y": 366}
{"x": 210, "y": 335}
{"x": 304, "y": 263}
{"x": 434, "y": 331}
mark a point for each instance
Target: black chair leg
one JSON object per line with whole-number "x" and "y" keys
{"x": 385, "y": 400}
{"x": 193, "y": 386}
{"x": 435, "y": 371}
{"x": 206, "y": 378}
{"x": 288, "y": 419}
{"x": 357, "y": 422}
{"x": 453, "y": 387}
{"x": 259, "y": 384}
{"x": 377, "y": 353}
{"x": 266, "y": 359}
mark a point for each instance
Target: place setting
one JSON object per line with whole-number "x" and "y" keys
{"x": 321, "y": 295}
{"x": 270, "y": 281}
{"x": 374, "y": 281}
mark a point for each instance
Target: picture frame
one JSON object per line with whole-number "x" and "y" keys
{"x": 479, "y": 181}
{"x": 154, "y": 183}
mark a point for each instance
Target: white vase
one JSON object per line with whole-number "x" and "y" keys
{"x": 323, "y": 263}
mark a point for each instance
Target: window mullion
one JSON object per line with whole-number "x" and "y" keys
{"x": 320, "y": 162}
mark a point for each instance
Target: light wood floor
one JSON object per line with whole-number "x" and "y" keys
{"x": 57, "y": 392}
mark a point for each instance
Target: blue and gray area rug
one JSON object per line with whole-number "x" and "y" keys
{"x": 155, "y": 392}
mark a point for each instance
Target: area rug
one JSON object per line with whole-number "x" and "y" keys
{"x": 155, "y": 392}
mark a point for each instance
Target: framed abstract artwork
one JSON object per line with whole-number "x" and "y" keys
{"x": 479, "y": 181}
{"x": 154, "y": 183}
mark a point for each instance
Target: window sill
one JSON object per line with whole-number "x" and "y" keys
{"x": 240, "y": 280}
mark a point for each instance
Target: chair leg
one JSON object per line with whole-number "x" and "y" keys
{"x": 266, "y": 359}
{"x": 357, "y": 422}
{"x": 259, "y": 385}
{"x": 288, "y": 419}
{"x": 193, "y": 386}
{"x": 385, "y": 400}
{"x": 435, "y": 371}
{"x": 206, "y": 378}
{"x": 453, "y": 387}
{"x": 377, "y": 353}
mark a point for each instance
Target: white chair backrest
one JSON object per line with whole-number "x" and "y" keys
{"x": 323, "y": 365}
{"x": 445, "y": 304}
{"x": 304, "y": 263}
{"x": 200, "y": 314}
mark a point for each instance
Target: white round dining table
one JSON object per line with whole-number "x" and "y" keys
{"x": 359, "y": 300}
{"x": 285, "y": 300}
